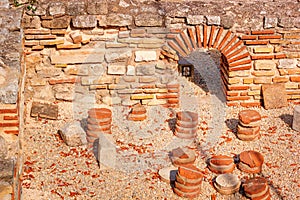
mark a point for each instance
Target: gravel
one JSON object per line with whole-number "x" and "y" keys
{"x": 54, "y": 170}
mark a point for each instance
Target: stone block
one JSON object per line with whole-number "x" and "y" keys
{"x": 287, "y": 22}
{"x": 113, "y": 19}
{"x": 57, "y": 22}
{"x": 78, "y": 56}
{"x": 84, "y": 21}
{"x": 195, "y": 19}
{"x": 145, "y": 69}
{"x": 213, "y": 20}
{"x": 263, "y": 49}
{"x": 117, "y": 56}
{"x": 76, "y": 37}
{"x": 116, "y": 69}
{"x": 274, "y": 101}
{"x": 3, "y": 150}
{"x": 107, "y": 154}
{"x": 44, "y": 110}
{"x": 98, "y": 7}
{"x": 31, "y": 22}
{"x": 296, "y": 118}
{"x": 264, "y": 64}
{"x": 145, "y": 56}
{"x": 57, "y": 8}
{"x": 73, "y": 134}
{"x": 130, "y": 70}
{"x": 76, "y": 8}
{"x": 111, "y": 100}
{"x": 287, "y": 63}
{"x": 148, "y": 20}
{"x": 64, "y": 92}
{"x": 270, "y": 22}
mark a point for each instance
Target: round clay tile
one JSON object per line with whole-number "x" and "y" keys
{"x": 248, "y": 116}
{"x": 227, "y": 183}
{"x": 168, "y": 174}
{"x": 248, "y": 137}
{"x": 185, "y": 188}
{"x": 186, "y": 194}
{"x": 190, "y": 172}
{"x": 221, "y": 160}
{"x": 248, "y": 130}
{"x": 184, "y": 124}
{"x": 251, "y": 158}
{"x": 187, "y": 116}
{"x": 100, "y": 113}
{"x": 188, "y": 182}
{"x": 256, "y": 187}
{"x": 100, "y": 122}
{"x": 182, "y": 156}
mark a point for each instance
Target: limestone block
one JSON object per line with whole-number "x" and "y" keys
{"x": 147, "y": 19}
{"x": 57, "y": 8}
{"x": 78, "y": 56}
{"x": 145, "y": 56}
{"x": 3, "y": 150}
{"x": 76, "y": 8}
{"x": 130, "y": 70}
{"x": 111, "y": 100}
{"x": 145, "y": 69}
{"x": 287, "y": 63}
{"x": 73, "y": 134}
{"x": 98, "y": 7}
{"x": 64, "y": 92}
{"x": 195, "y": 19}
{"x": 296, "y": 118}
{"x": 116, "y": 69}
{"x": 31, "y": 22}
{"x": 264, "y": 64}
{"x": 270, "y": 22}
{"x": 274, "y": 101}
{"x": 76, "y": 37}
{"x": 44, "y": 110}
{"x": 117, "y": 56}
{"x": 107, "y": 153}
{"x": 287, "y": 22}
{"x": 119, "y": 19}
{"x": 213, "y": 20}
{"x": 84, "y": 21}
{"x": 58, "y": 22}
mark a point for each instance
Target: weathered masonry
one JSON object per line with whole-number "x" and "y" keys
{"x": 121, "y": 52}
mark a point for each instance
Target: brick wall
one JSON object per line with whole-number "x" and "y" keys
{"x": 123, "y": 57}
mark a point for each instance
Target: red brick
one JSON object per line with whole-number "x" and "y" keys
{"x": 192, "y": 37}
{"x": 244, "y": 55}
{"x": 170, "y": 36}
{"x": 211, "y": 36}
{"x": 204, "y": 36}
{"x": 233, "y": 47}
{"x": 256, "y": 42}
{"x": 239, "y": 68}
{"x": 238, "y": 87}
{"x": 230, "y": 103}
{"x": 249, "y": 37}
{"x": 236, "y": 52}
{"x": 243, "y": 62}
{"x": 262, "y": 37}
{"x": 250, "y": 104}
{"x": 229, "y": 43}
{"x": 238, "y": 98}
{"x": 175, "y": 30}
{"x": 280, "y": 56}
{"x": 198, "y": 36}
{"x": 14, "y": 132}
{"x": 218, "y": 37}
{"x": 263, "y": 32}
{"x": 280, "y": 79}
{"x": 5, "y": 110}
{"x": 190, "y": 172}
{"x": 147, "y": 86}
{"x": 173, "y": 86}
{"x": 136, "y": 117}
{"x": 9, "y": 124}
{"x": 186, "y": 40}
{"x": 7, "y": 117}
{"x": 176, "y": 48}
{"x": 232, "y": 93}
{"x": 224, "y": 40}
{"x": 166, "y": 96}
{"x": 181, "y": 44}
{"x": 295, "y": 78}
{"x": 61, "y": 81}
{"x": 262, "y": 57}
{"x": 173, "y": 101}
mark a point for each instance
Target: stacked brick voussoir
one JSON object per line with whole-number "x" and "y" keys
{"x": 188, "y": 181}
{"x": 99, "y": 122}
{"x": 186, "y": 125}
{"x": 9, "y": 120}
{"x": 248, "y": 128}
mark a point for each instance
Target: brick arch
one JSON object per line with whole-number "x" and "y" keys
{"x": 235, "y": 58}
